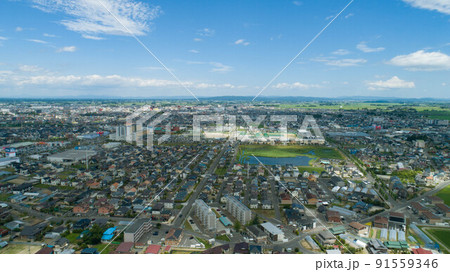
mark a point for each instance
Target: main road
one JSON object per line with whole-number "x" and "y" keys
{"x": 177, "y": 223}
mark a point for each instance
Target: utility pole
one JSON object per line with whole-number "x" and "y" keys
{"x": 87, "y": 161}
{"x": 248, "y": 170}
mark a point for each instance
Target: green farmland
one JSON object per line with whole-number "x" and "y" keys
{"x": 288, "y": 151}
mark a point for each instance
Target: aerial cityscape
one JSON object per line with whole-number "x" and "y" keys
{"x": 375, "y": 181}
{"x": 129, "y": 127}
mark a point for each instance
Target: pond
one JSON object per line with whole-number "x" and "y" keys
{"x": 296, "y": 161}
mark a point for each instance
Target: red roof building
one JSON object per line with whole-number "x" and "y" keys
{"x": 124, "y": 248}
{"x": 153, "y": 249}
{"x": 421, "y": 251}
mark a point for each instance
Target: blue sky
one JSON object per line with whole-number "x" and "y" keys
{"x": 54, "y": 48}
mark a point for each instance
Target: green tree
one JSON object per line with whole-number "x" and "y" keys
{"x": 237, "y": 226}
{"x": 255, "y": 220}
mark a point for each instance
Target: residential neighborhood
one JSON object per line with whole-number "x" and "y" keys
{"x": 75, "y": 179}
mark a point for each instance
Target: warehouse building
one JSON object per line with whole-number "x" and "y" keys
{"x": 71, "y": 156}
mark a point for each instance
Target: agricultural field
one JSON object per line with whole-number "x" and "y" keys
{"x": 444, "y": 194}
{"x": 436, "y": 114}
{"x": 287, "y": 151}
{"x": 441, "y": 235}
{"x": 432, "y": 111}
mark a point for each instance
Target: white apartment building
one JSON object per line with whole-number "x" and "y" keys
{"x": 239, "y": 211}
{"x": 205, "y": 214}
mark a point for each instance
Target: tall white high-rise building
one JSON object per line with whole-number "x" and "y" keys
{"x": 121, "y": 132}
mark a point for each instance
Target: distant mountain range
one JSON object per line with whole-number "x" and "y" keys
{"x": 279, "y": 99}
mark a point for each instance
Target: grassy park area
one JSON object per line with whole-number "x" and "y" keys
{"x": 310, "y": 169}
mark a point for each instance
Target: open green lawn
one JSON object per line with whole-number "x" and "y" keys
{"x": 287, "y": 151}
{"x": 444, "y": 194}
{"x": 223, "y": 238}
{"x": 221, "y": 171}
{"x": 108, "y": 249}
{"x": 310, "y": 169}
{"x": 187, "y": 226}
{"x": 203, "y": 241}
{"x": 72, "y": 237}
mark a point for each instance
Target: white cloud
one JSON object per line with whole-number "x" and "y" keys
{"x": 341, "y": 52}
{"x": 349, "y": 15}
{"x": 90, "y": 37}
{"x": 37, "y": 41}
{"x": 30, "y": 68}
{"x": 216, "y": 66}
{"x": 393, "y": 83}
{"x": 346, "y": 62}
{"x": 220, "y": 67}
{"x": 242, "y": 42}
{"x": 91, "y": 17}
{"x": 2, "y": 39}
{"x": 297, "y": 3}
{"x": 82, "y": 81}
{"x": 295, "y": 85}
{"x": 19, "y": 29}
{"x": 442, "y": 6}
{"x": 194, "y": 51}
{"x": 197, "y": 40}
{"x": 206, "y": 32}
{"x": 332, "y": 61}
{"x": 49, "y": 35}
{"x": 422, "y": 61}
{"x": 67, "y": 49}
{"x": 153, "y": 68}
{"x": 366, "y": 49}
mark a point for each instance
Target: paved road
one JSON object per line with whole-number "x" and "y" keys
{"x": 187, "y": 208}
{"x": 275, "y": 198}
{"x": 230, "y": 166}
